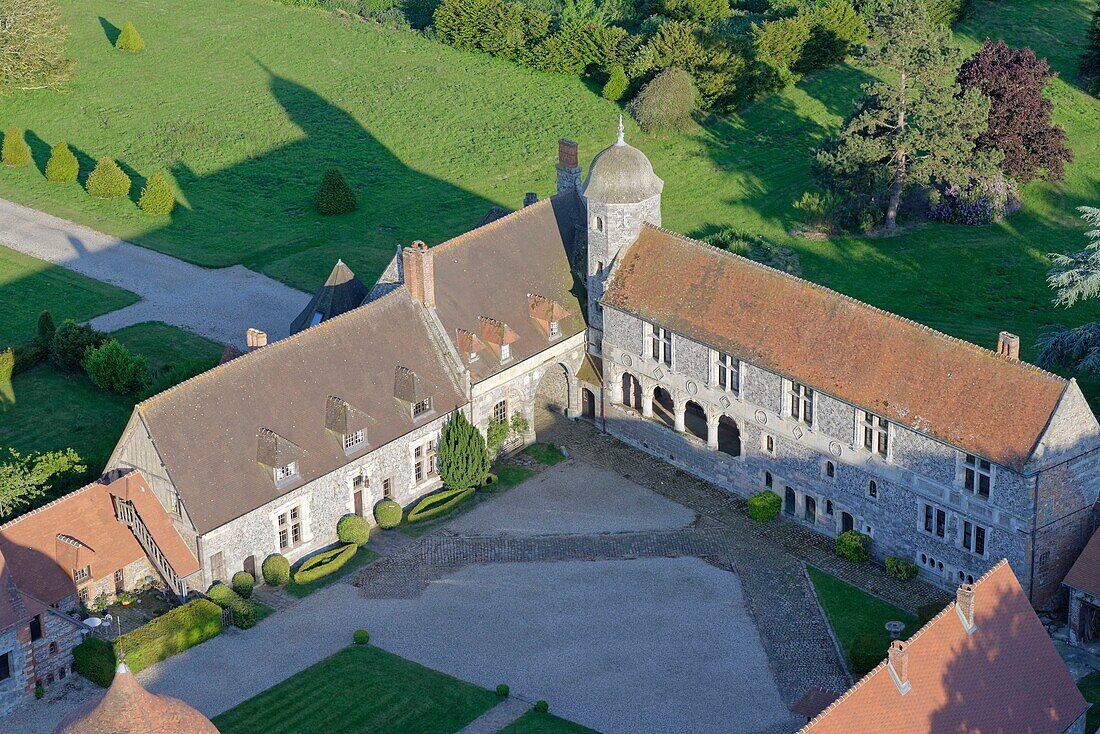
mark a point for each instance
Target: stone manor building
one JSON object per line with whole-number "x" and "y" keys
{"x": 945, "y": 453}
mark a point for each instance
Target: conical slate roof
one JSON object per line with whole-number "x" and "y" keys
{"x": 341, "y": 293}
{"x": 621, "y": 174}
{"x": 127, "y": 708}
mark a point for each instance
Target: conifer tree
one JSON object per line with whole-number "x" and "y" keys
{"x": 129, "y": 39}
{"x": 157, "y": 196}
{"x": 46, "y": 330}
{"x": 1090, "y": 61}
{"x": 16, "y": 152}
{"x": 463, "y": 457}
{"x": 616, "y": 84}
{"x": 334, "y": 196}
{"x": 1075, "y": 277}
{"x": 108, "y": 181}
{"x": 62, "y": 166}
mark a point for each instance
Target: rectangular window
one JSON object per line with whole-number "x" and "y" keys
{"x": 767, "y": 444}
{"x": 424, "y": 461}
{"x": 5, "y": 666}
{"x": 802, "y": 403}
{"x": 729, "y": 371}
{"x": 500, "y": 411}
{"x": 286, "y": 471}
{"x": 876, "y": 434}
{"x": 974, "y": 538}
{"x": 422, "y": 407}
{"x": 977, "y": 475}
{"x": 555, "y": 329}
{"x": 82, "y": 594}
{"x": 351, "y": 440}
{"x": 387, "y": 488}
{"x": 36, "y": 628}
{"x": 810, "y": 509}
{"x": 928, "y": 518}
{"x": 941, "y": 523}
{"x": 359, "y": 480}
{"x": 82, "y": 574}
{"x": 505, "y": 352}
{"x": 290, "y": 528}
{"x": 661, "y": 344}
{"x": 935, "y": 521}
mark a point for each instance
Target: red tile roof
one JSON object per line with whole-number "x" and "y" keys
{"x": 16, "y": 606}
{"x": 1005, "y": 676}
{"x": 962, "y": 394}
{"x": 1085, "y": 573}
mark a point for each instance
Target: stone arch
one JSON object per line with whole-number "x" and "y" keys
{"x": 554, "y": 392}
{"x": 729, "y": 436}
{"x": 695, "y": 420}
{"x": 664, "y": 406}
{"x": 632, "y": 391}
{"x": 588, "y": 403}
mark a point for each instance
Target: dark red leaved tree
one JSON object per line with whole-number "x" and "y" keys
{"x": 1019, "y": 114}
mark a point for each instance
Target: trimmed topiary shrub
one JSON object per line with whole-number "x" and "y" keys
{"x": 867, "y": 652}
{"x": 616, "y": 85}
{"x": 16, "y": 152}
{"x": 334, "y": 196}
{"x": 503, "y": 690}
{"x": 243, "y": 611}
{"x": 360, "y": 637}
{"x": 353, "y": 529}
{"x": 157, "y": 196}
{"x": 173, "y": 632}
{"x": 763, "y": 506}
{"x": 323, "y": 564}
{"x": 463, "y": 455}
{"x": 45, "y": 330}
{"x": 70, "y": 341}
{"x": 438, "y": 504}
{"x": 113, "y": 367}
{"x": 244, "y": 583}
{"x": 387, "y": 514}
{"x": 275, "y": 569}
{"x": 108, "y": 181}
{"x": 542, "y": 706}
{"x": 852, "y": 545}
{"x": 667, "y": 103}
{"x": 899, "y": 569}
{"x": 94, "y": 658}
{"x": 129, "y": 39}
{"x": 62, "y": 167}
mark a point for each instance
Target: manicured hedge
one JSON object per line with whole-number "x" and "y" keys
{"x": 438, "y": 504}
{"x": 244, "y": 583}
{"x": 899, "y": 569}
{"x": 243, "y": 611}
{"x": 276, "y": 569}
{"x": 388, "y": 514}
{"x": 763, "y": 506}
{"x": 323, "y": 564}
{"x": 95, "y": 660}
{"x": 852, "y": 545}
{"x": 353, "y": 529}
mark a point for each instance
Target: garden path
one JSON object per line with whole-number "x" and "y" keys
{"x": 219, "y": 304}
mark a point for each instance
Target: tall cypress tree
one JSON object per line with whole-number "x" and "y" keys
{"x": 463, "y": 458}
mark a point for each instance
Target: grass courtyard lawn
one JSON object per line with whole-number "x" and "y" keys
{"x": 545, "y": 453}
{"x": 852, "y": 612}
{"x": 362, "y": 557}
{"x": 29, "y": 286}
{"x": 360, "y": 690}
{"x": 1090, "y": 689}
{"x": 533, "y": 722}
{"x": 430, "y": 137}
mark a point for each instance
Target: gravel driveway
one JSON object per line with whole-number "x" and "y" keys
{"x": 218, "y": 304}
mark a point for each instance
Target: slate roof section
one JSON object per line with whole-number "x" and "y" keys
{"x": 1005, "y": 676}
{"x": 489, "y": 271}
{"x": 1084, "y": 575}
{"x": 957, "y": 392}
{"x": 206, "y": 428}
{"x": 341, "y": 293}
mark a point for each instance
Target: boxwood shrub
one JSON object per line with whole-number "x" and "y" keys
{"x": 542, "y": 706}
{"x": 244, "y": 613}
{"x": 763, "y": 506}
{"x": 323, "y": 564}
{"x": 171, "y": 633}
{"x": 94, "y": 658}
{"x": 900, "y": 569}
{"x": 438, "y": 504}
{"x": 868, "y": 651}
{"x": 388, "y": 514}
{"x": 852, "y": 545}
{"x": 244, "y": 583}
{"x": 353, "y": 529}
{"x": 360, "y": 637}
{"x": 276, "y": 569}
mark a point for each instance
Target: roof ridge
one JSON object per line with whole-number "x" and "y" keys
{"x": 1026, "y": 366}
{"x": 509, "y": 217}
{"x": 240, "y": 361}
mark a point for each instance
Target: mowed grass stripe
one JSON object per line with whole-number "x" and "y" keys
{"x": 358, "y": 690}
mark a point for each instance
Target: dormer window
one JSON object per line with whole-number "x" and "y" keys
{"x": 286, "y": 471}
{"x": 414, "y": 395}
{"x": 279, "y": 455}
{"x": 505, "y": 352}
{"x": 82, "y": 574}
{"x": 498, "y": 335}
{"x": 555, "y": 329}
{"x": 317, "y": 318}
{"x": 548, "y": 314}
{"x": 353, "y": 439}
{"x": 347, "y": 422}
{"x": 421, "y": 407}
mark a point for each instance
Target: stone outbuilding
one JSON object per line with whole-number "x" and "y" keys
{"x": 1083, "y": 583}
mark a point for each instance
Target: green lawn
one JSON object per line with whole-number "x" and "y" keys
{"x": 361, "y": 690}
{"x": 1090, "y": 689}
{"x": 533, "y": 722}
{"x": 852, "y": 612}
{"x": 361, "y": 558}
{"x": 29, "y": 286}
{"x": 545, "y": 453}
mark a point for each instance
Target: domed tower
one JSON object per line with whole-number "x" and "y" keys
{"x": 621, "y": 194}
{"x": 127, "y": 708}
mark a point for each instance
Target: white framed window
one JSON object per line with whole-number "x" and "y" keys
{"x": 422, "y": 407}
{"x": 500, "y": 411}
{"x": 974, "y": 537}
{"x": 286, "y": 471}
{"x": 82, "y": 574}
{"x": 555, "y": 329}
{"x": 801, "y": 403}
{"x": 351, "y": 440}
{"x": 660, "y": 344}
{"x": 876, "y": 434}
{"x": 471, "y": 357}
{"x": 767, "y": 444}
{"x": 289, "y": 528}
{"x": 935, "y": 521}
{"x": 424, "y": 464}
{"x": 505, "y": 352}
{"x": 727, "y": 372}
{"x": 977, "y": 475}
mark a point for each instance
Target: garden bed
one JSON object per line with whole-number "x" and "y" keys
{"x": 357, "y": 560}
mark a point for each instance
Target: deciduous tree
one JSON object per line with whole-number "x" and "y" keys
{"x": 25, "y": 479}
{"x": 32, "y": 45}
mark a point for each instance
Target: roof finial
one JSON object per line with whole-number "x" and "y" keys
{"x": 622, "y": 137}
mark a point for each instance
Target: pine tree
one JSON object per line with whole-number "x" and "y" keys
{"x": 46, "y": 330}
{"x": 108, "y": 181}
{"x": 1075, "y": 277}
{"x": 157, "y": 196}
{"x": 463, "y": 457}
{"x": 62, "y": 166}
{"x": 334, "y": 196}
{"x": 16, "y": 152}
{"x": 129, "y": 39}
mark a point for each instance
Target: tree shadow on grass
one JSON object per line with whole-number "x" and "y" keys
{"x": 40, "y": 151}
{"x": 110, "y": 30}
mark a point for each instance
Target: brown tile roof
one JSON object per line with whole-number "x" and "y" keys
{"x": 1005, "y": 676}
{"x": 45, "y": 546}
{"x": 490, "y": 270}
{"x": 16, "y": 606}
{"x": 206, "y": 429}
{"x": 957, "y": 392}
{"x": 1085, "y": 572}
{"x": 127, "y": 708}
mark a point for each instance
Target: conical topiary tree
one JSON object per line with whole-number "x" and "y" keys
{"x": 62, "y": 166}
{"x": 108, "y": 181}
{"x": 463, "y": 457}
{"x": 16, "y": 151}
{"x": 129, "y": 39}
{"x": 334, "y": 196}
{"x": 157, "y": 196}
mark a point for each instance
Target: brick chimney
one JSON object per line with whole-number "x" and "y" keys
{"x": 897, "y": 660}
{"x": 964, "y": 606}
{"x": 569, "y": 171}
{"x": 1008, "y": 345}
{"x": 419, "y": 273}
{"x": 255, "y": 339}
{"x": 530, "y": 198}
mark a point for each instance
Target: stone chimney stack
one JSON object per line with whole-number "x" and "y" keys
{"x": 898, "y": 661}
{"x": 964, "y": 606}
{"x": 1008, "y": 345}
{"x": 419, "y": 270}
{"x": 569, "y": 171}
{"x": 530, "y": 198}
{"x": 255, "y": 339}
